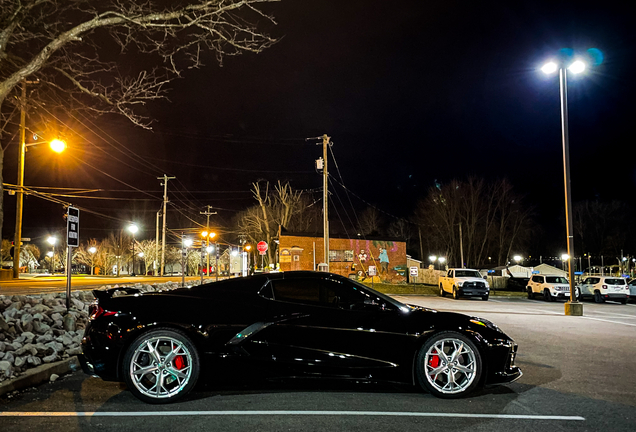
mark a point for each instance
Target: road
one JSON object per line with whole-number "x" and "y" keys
{"x": 46, "y": 284}
{"x": 578, "y": 376}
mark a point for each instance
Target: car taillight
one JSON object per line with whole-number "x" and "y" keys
{"x": 95, "y": 311}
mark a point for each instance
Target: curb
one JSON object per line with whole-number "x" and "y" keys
{"x": 39, "y": 375}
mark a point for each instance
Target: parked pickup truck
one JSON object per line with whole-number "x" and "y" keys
{"x": 464, "y": 283}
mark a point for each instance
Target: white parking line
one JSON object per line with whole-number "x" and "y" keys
{"x": 609, "y": 321}
{"x": 284, "y": 413}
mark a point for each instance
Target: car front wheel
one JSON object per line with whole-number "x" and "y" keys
{"x": 442, "y": 293}
{"x": 455, "y": 293}
{"x": 161, "y": 366}
{"x": 546, "y": 295}
{"x": 449, "y": 365}
{"x": 530, "y": 293}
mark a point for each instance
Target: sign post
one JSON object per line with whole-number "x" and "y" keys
{"x": 262, "y": 249}
{"x": 371, "y": 271}
{"x": 72, "y": 240}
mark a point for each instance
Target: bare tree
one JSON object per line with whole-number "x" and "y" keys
{"x": 5, "y": 250}
{"x": 492, "y": 218}
{"x": 148, "y": 249}
{"x": 61, "y": 43}
{"x": 370, "y": 221}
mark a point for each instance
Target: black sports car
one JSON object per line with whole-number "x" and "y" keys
{"x": 292, "y": 324}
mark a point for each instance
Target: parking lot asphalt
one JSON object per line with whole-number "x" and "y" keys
{"x": 578, "y": 375}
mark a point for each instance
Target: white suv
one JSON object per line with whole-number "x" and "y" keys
{"x": 550, "y": 287}
{"x": 602, "y": 288}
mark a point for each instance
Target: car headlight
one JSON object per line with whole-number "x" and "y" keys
{"x": 485, "y": 323}
{"x": 460, "y": 283}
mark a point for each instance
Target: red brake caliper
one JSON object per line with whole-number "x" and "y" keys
{"x": 179, "y": 362}
{"x": 433, "y": 361}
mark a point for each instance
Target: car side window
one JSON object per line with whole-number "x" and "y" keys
{"x": 537, "y": 279}
{"x": 594, "y": 280}
{"x": 297, "y": 290}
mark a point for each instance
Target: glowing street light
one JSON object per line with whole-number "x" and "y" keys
{"x": 517, "y": 258}
{"x": 572, "y": 307}
{"x": 58, "y": 146}
{"x": 133, "y": 228}
{"x": 52, "y": 240}
{"x": 92, "y": 251}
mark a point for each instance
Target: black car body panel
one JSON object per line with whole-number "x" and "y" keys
{"x": 240, "y": 324}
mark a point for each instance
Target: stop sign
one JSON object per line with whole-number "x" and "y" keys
{"x": 262, "y": 247}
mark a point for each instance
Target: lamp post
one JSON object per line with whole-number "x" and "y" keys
{"x": 52, "y": 240}
{"x": 433, "y": 258}
{"x": 248, "y": 248}
{"x": 133, "y": 230}
{"x": 207, "y": 236}
{"x": 572, "y": 307}
{"x": 92, "y": 251}
{"x": 441, "y": 260}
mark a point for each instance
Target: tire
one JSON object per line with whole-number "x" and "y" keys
{"x": 598, "y": 298}
{"x": 485, "y": 298}
{"x": 547, "y": 296}
{"x": 462, "y": 359}
{"x": 624, "y": 301}
{"x": 442, "y": 293}
{"x": 455, "y": 294}
{"x": 530, "y": 293}
{"x": 164, "y": 353}
{"x": 577, "y": 294}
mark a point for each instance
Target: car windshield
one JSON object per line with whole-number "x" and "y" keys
{"x": 617, "y": 281}
{"x": 556, "y": 279}
{"x": 467, "y": 273}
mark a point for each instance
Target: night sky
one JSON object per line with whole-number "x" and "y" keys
{"x": 411, "y": 92}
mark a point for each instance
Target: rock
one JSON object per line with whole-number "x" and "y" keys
{"x": 20, "y": 361}
{"x": 58, "y": 347}
{"x": 41, "y": 349}
{"x": 27, "y": 349}
{"x": 58, "y": 324}
{"x": 28, "y": 337}
{"x": 26, "y": 318}
{"x": 10, "y": 313}
{"x": 54, "y": 377}
{"x": 34, "y": 361}
{"x": 58, "y": 309}
{"x": 69, "y": 322}
{"x": 3, "y": 324}
{"x": 44, "y": 338}
{"x": 9, "y": 357}
{"x": 1, "y": 355}
{"x": 39, "y": 308}
{"x": 13, "y": 346}
{"x": 79, "y": 305}
{"x": 17, "y": 305}
{"x": 67, "y": 340}
{"x": 43, "y": 328}
{"x": 2, "y": 336}
{"x": 50, "y": 358}
{"x": 6, "y": 369}
{"x": 28, "y": 327}
{"x": 74, "y": 351}
{"x": 20, "y": 339}
{"x": 2, "y": 345}
{"x": 56, "y": 316}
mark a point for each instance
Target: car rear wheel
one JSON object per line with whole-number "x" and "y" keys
{"x": 449, "y": 365}
{"x": 442, "y": 293}
{"x": 530, "y": 293}
{"x": 624, "y": 301}
{"x": 161, "y": 366}
{"x": 546, "y": 295}
{"x": 598, "y": 298}
{"x": 455, "y": 293}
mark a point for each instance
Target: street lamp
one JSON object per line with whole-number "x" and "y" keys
{"x": 92, "y": 251}
{"x": 441, "y": 260}
{"x": 133, "y": 230}
{"x": 517, "y": 258}
{"x": 433, "y": 258}
{"x": 207, "y": 236}
{"x": 572, "y": 307}
{"x": 52, "y": 240}
{"x": 20, "y": 185}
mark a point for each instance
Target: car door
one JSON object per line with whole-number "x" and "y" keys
{"x": 583, "y": 286}
{"x": 330, "y": 326}
{"x": 537, "y": 282}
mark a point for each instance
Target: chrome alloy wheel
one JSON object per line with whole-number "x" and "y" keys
{"x": 161, "y": 367}
{"x": 451, "y": 366}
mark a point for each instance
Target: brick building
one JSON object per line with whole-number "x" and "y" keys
{"x": 346, "y": 256}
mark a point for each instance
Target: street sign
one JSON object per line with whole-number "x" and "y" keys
{"x": 25, "y": 239}
{"x": 371, "y": 271}
{"x": 72, "y": 227}
{"x": 262, "y": 247}
{"x": 413, "y": 271}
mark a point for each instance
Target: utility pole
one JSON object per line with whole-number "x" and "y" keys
{"x": 165, "y": 179}
{"x": 461, "y": 245}
{"x": 325, "y": 204}
{"x": 156, "y": 263}
{"x": 20, "y": 193}
{"x": 208, "y": 213}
